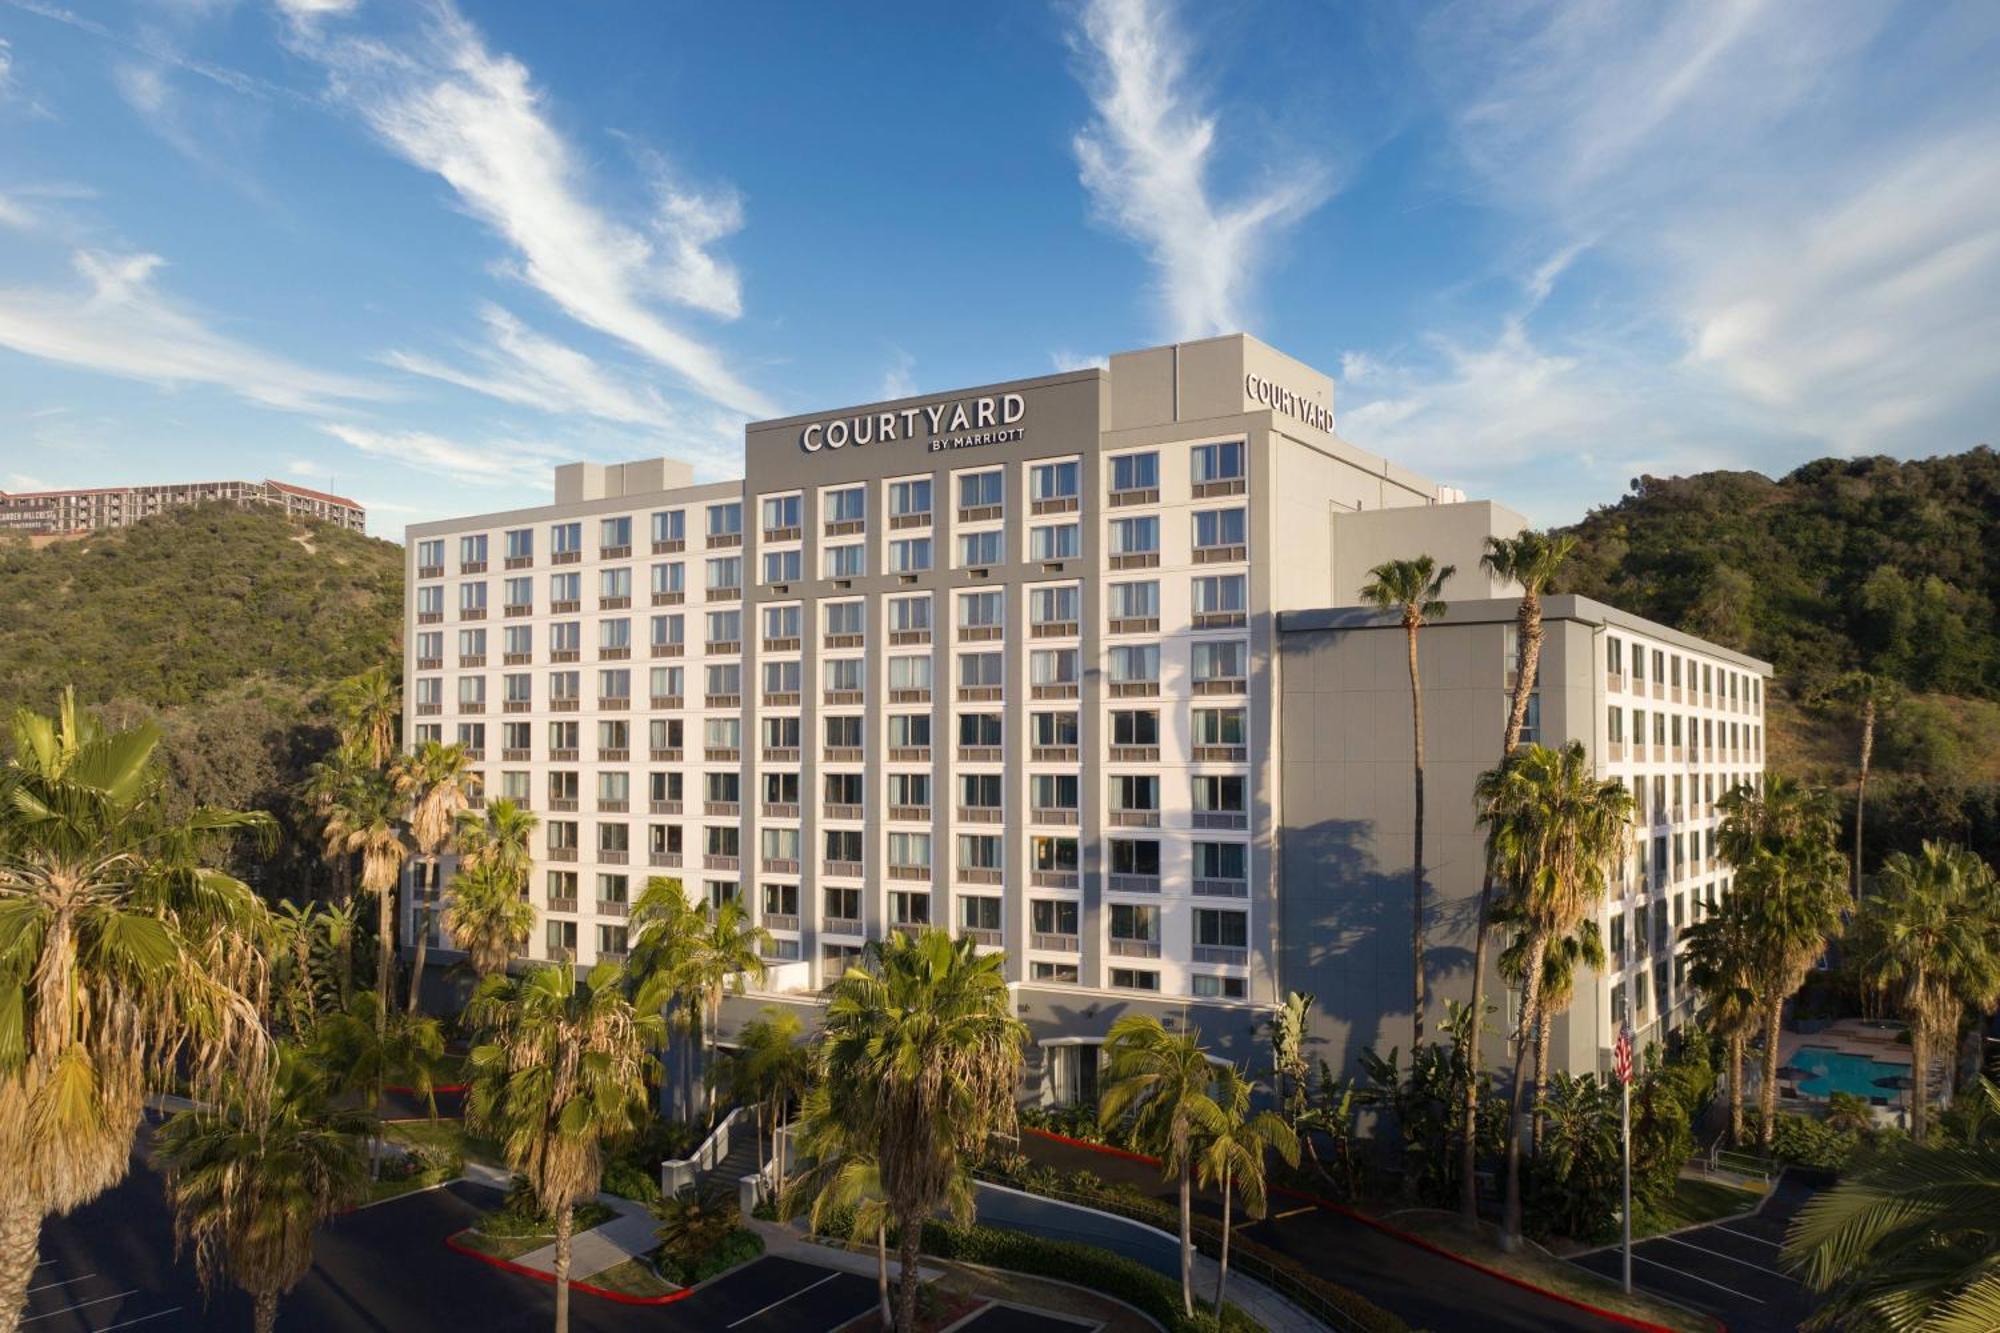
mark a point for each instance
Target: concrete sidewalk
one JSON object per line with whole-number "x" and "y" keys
{"x": 627, "y": 1235}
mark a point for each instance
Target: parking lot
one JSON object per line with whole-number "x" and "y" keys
{"x": 1728, "y": 1269}
{"x": 1004, "y": 1318}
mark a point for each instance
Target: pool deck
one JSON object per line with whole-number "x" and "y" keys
{"x": 1856, "y": 1037}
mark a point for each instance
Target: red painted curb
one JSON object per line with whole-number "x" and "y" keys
{"x": 457, "y": 1246}
{"x": 1627, "y": 1321}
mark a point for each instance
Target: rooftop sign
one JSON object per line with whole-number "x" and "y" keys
{"x": 962, "y": 424}
{"x": 1294, "y": 405}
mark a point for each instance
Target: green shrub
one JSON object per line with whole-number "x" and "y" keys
{"x": 628, "y": 1180}
{"x": 738, "y": 1246}
{"x": 520, "y": 1215}
{"x": 426, "y": 1163}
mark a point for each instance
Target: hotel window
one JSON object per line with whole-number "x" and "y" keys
{"x": 783, "y": 566}
{"x": 910, "y": 731}
{"x": 1531, "y": 722}
{"x": 781, "y": 622}
{"x": 560, "y": 939}
{"x": 722, "y": 840}
{"x": 615, "y": 584}
{"x": 910, "y": 615}
{"x": 1228, "y": 660}
{"x": 1221, "y": 595}
{"x": 1135, "y": 727}
{"x": 430, "y": 554}
{"x": 911, "y": 501}
{"x": 849, "y": 504}
{"x": 781, "y": 517}
{"x": 1614, "y": 656}
{"x": 1135, "y": 856}
{"x": 614, "y": 788}
{"x": 979, "y": 730}
{"x": 981, "y": 670}
{"x": 909, "y": 909}
{"x": 1055, "y": 608}
{"x": 472, "y": 549}
{"x": 780, "y": 678}
{"x": 1216, "y": 928}
{"x": 519, "y": 592}
{"x": 1135, "y": 472}
{"x": 980, "y": 791}
{"x": 1614, "y": 726}
{"x": 910, "y": 673}
{"x": 848, "y": 561}
{"x": 670, "y": 580}
{"x": 725, "y": 681}
{"x": 1135, "y": 793}
{"x": 843, "y": 622}
{"x": 723, "y": 788}
{"x": 1053, "y": 667}
{"x": 843, "y": 845}
{"x": 1220, "y": 529}
{"x": 843, "y": 675}
{"x": 782, "y": 788}
{"x": 981, "y": 548}
{"x": 909, "y": 555}
{"x": 615, "y": 533}
{"x": 1135, "y": 536}
{"x": 471, "y": 643}
{"x": 842, "y": 904}
{"x": 1659, "y": 666}
{"x": 725, "y": 631}
{"x": 980, "y": 913}
{"x": 520, "y": 543}
{"x": 1054, "y": 855}
{"x": 1221, "y": 860}
{"x": 614, "y": 635}
{"x": 910, "y": 789}
{"x": 669, "y": 631}
{"x": 1052, "y": 916}
{"x": 1638, "y": 663}
{"x": 1137, "y": 923}
{"x": 614, "y": 838}
{"x": 780, "y": 844}
{"x": 514, "y": 786}
{"x": 614, "y": 736}
{"x": 979, "y": 851}
{"x": 430, "y": 645}
{"x": 1212, "y": 463}
{"x": 725, "y": 520}
{"x": 1220, "y": 794}
{"x": 1135, "y": 664}
{"x": 781, "y": 733}
{"x": 979, "y": 611}
{"x": 910, "y": 851}
{"x": 843, "y": 733}
{"x": 1053, "y": 791}
{"x": 471, "y": 692}
{"x": 1136, "y": 602}
{"x": 669, "y": 525}
{"x": 664, "y": 786}
{"x": 1053, "y": 484}
{"x": 565, "y": 736}
{"x": 1055, "y": 541}
{"x": 1126, "y": 978}
{"x": 781, "y": 899}
{"x": 566, "y": 538}
{"x": 1208, "y": 987}
{"x": 430, "y": 692}
{"x": 472, "y": 597}
{"x": 981, "y": 491}
{"x": 1221, "y": 727}
{"x": 566, "y": 588}
{"x": 725, "y": 575}
{"x": 566, "y": 636}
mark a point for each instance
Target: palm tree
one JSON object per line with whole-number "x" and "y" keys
{"x": 727, "y": 948}
{"x": 923, "y": 1049}
{"x": 1796, "y": 897}
{"x": 1290, "y": 1023}
{"x": 1411, "y": 589}
{"x": 1870, "y": 694}
{"x": 1583, "y": 947}
{"x": 1553, "y": 829}
{"x": 363, "y": 1049}
{"x": 501, "y": 836}
{"x": 772, "y": 1068}
{"x": 490, "y": 917}
{"x": 326, "y": 781}
{"x": 562, "y": 1067}
{"x": 251, "y": 1178}
{"x": 845, "y": 1174}
{"x": 1163, "y": 1085}
{"x": 368, "y": 710}
{"x": 1926, "y": 941}
{"x": 1233, "y": 1160}
{"x": 434, "y": 780}
{"x": 663, "y": 926}
{"x": 1776, "y": 814}
{"x": 129, "y": 966}
{"x": 1906, "y": 1240}
{"x": 1530, "y": 559}
{"x": 1721, "y": 963}
{"x": 364, "y": 818}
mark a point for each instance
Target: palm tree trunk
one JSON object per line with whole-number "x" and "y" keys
{"x": 1187, "y": 1239}
{"x": 1861, "y": 788}
{"x": 265, "y": 1316}
{"x": 909, "y": 1243}
{"x": 565, "y": 1225}
{"x": 385, "y": 955}
{"x": 1417, "y": 851}
{"x": 1767, "y": 1096}
{"x": 1920, "y": 1070}
{"x": 20, "y": 1237}
{"x": 1541, "y": 1081}
{"x": 1222, "y": 1265}
{"x": 1510, "y": 1237}
{"x": 423, "y": 931}
{"x": 882, "y": 1272}
{"x": 1736, "y": 1089}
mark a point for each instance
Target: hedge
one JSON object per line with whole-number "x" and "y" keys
{"x": 738, "y": 1247}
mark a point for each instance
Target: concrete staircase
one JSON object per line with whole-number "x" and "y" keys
{"x": 740, "y": 1161}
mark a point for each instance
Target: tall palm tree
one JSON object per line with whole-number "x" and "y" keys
{"x": 1162, "y": 1084}
{"x": 368, "y": 710}
{"x": 435, "y": 781}
{"x": 1870, "y": 694}
{"x": 922, "y": 1048}
{"x": 490, "y": 918}
{"x": 1532, "y": 560}
{"x": 1722, "y": 963}
{"x": 1775, "y": 814}
{"x": 1905, "y": 1242}
{"x": 362, "y": 1050}
{"x": 1553, "y": 831}
{"x": 561, "y": 1068}
{"x": 1926, "y": 940}
{"x": 128, "y": 966}
{"x": 663, "y": 926}
{"x": 326, "y": 781}
{"x": 1583, "y": 947}
{"x": 1411, "y": 589}
{"x": 840, "y": 1142}
{"x": 1796, "y": 899}
{"x": 365, "y": 819}
{"x": 1233, "y": 1160}
{"x": 771, "y": 1069}
{"x": 252, "y": 1176}
{"x": 727, "y": 951}
{"x": 501, "y": 836}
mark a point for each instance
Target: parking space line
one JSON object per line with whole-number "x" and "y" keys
{"x": 142, "y": 1319}
{"x": 80, "y": 1305}
{"x": 1690, "y": 1245}
{"x": 782, "y": 1299}
{"x": 1696, "y": 1277}
{"x": 1724, "y": 1226}
{"x": 51, "y": 1286}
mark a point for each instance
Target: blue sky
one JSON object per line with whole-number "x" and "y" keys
{"x": 418, "y": 252}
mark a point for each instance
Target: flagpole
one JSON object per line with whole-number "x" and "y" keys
{"x": 1627, "y": 1136}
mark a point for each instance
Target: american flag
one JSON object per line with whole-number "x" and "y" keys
{"x": 1621, "y": 1054}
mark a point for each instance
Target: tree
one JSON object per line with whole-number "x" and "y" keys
{"x": 922, "y": 1048}
{"x": 1412, "y": 590}
{"x": 840, "y": 1141}
{"x": 363, "y": 818}
{"x": 1553, "y": 829}
{"x": 1906, "y": 1240}
{"x": 1582, "y": 947}
{"x": 1722, "y": 968}
{"x": 362, "y": 1049}
{"x": 490, "y": 917}
{"x": 561, "y": 1067}
{"x": 502, "y": 836}
{"x": 1530, "y": 559}
{"x": 664, "y": 926}
{"x": 128, "y": 967}
{"x": 251, "y": 1178}
{"x": 1776, "y": 814}
{"x": 1868, "y": 693}
{"x": 771, "y": 1069}
{"x": 1162, "y": 1086}
{"x": 368, "y": 710}
{"x": 1289, "y": 1025}
{"x": 1796, "y": 897}
{"x": 327, "y": 781}
{"x": 1233, "y": 1160}
{"x": 726, "y": 947}
{"x": 1929, "y": 943}
{"x": 434, "y": 780}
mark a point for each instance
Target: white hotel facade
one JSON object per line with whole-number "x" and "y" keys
{"x": 1029, "y": 661}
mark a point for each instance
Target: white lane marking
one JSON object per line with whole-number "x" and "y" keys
{"x": 142, "y": 1319}
{"x": 1696, "y": 1277}
{"x": 1724, "y": 1226}
{"x": 1688, "y": 1244}
{"x": 51, "y": 1286}
{"x": 79, "y": 1305}
{"x": 782, "y": 1299}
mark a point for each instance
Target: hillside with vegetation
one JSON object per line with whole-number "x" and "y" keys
{"x": 224, "y": 625}
{"x": 1845, "y": 565}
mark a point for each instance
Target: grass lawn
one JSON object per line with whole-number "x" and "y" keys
{"x": 445, "y": 1135}
{"x": 1695, "y": 1202}
{"x": 501, "y": 1247}
{"x": 634, "y": 1277}
{"x": 1544, "y": 1270}
{"x": 389, "y": 1189}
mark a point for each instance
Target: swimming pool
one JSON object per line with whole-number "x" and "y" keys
{"x": 1828, "y": 1070}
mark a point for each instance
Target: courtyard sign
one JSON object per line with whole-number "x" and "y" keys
{"x": 962, "y": 424}
{"x": 1295, "y": 405}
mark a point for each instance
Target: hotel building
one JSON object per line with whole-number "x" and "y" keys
{"x": 94, "y": 508}
{"x": 1025, "y": 661}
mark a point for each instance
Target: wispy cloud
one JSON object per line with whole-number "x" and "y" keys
{"x": 899, "y": 380}
{"x": 474, "y": 117}
{"x": 1065, "y": 360}
{"x": 489, "y": 462}
{"x": 1145, "y": 160}
{"x": 518, "y": 365}
{"x": 118, "y": 322}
